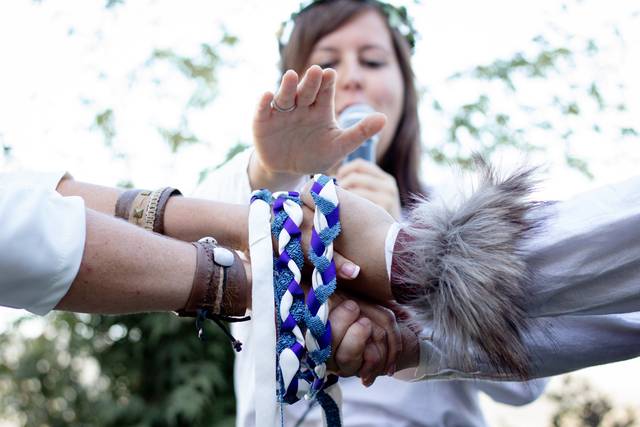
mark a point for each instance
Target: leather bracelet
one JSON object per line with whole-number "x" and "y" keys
{"x": 201, "y": 288}
{"x": 125, "y": 202}
{"x": 165, "y": 195}
{"x": 145, "y": 208}
{"x": 219, "y": 283}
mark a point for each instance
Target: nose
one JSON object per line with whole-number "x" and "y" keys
{"x": 350, "y": 76}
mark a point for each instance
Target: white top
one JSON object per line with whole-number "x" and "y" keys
{"x": 41, "y": 241}
{"x": 388, "y": 402}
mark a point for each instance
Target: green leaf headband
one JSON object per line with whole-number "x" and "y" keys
{"x": 397, "y": 18}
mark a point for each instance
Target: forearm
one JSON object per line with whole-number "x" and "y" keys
{"x": 185, "y": 218}
{"x": 124, "y": 269}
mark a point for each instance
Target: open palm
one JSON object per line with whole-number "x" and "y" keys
{"x": 306, "y": 139}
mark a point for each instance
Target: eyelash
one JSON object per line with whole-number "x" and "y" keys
{"x": 370, "y": 64}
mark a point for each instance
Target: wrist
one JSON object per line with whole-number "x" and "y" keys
{"x": 261, "y": 177}
{"x": 410, "y": 355}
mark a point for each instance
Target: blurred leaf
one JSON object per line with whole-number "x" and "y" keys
{"x": 233, "y": 151}
{"x": 112, "y": 3}
{"x": 595, "y": 94}
{"x": 580, "y": 165}
{"x": 628, "y": 132}
{"x": 177, "y": 138}
{"x": 105, "y": 123}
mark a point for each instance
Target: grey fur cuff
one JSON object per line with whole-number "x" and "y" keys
{"x": 460, "y": 268}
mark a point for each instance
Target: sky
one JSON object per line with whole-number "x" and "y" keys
{"x": 64, "y": 62}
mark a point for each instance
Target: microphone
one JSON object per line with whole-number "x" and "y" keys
{"x": 349, "y": 117}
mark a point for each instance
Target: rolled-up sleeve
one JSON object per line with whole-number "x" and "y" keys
{"x": 42, "y": 237}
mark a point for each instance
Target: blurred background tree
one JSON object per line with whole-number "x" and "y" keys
{"x": 579, "y": 405}
{"x": 151, "y": 370}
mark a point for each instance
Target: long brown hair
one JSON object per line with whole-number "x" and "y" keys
{"x": 402, "y": 159}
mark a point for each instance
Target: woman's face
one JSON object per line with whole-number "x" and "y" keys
{"x": 362, "y": 54}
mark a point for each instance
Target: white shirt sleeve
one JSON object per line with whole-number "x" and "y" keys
{"x": 585, "y": 309}
{"x": 587, "y": 258}
{"x": 41, "y": 241}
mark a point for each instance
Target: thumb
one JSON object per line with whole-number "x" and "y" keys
{"x": 354, "y": 136}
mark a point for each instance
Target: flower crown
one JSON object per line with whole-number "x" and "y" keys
{"x": 397, "y": 18}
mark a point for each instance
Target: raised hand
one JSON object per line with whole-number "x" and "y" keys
{"x": 296, "y": 132}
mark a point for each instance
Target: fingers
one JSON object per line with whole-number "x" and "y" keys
{"x": 326, "y": 93}
{"x": 359, "y": 180}
{"x": 375, "y": 355}
{"x": 345, "y": 269}
{"x": 359, "y": 166}
{"x": 263, "y": 110}
{"x": 349, "y": 354}
{"x": 385, "y": 319}
{"x": 286, "y": 96}
{"x": 361, "y": 131}
{"x": 342, "y": 317}
{"x": 309, "y": 86}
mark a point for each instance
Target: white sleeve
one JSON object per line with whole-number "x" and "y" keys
{"x": 557, "y": 345}
{"x": 41, "y": 241}
{"x": 587, "y": 258}
{"x": 515, "y": 393}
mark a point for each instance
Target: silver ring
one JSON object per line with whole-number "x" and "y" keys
{"x": 278, "y": 108}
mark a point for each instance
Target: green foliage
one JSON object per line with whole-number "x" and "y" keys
{"x": 201, "y": 72}
{"x": 502, "y": 115}
{"x": 579, "y": 405}
{"x": 138, "y": 370}
{"x": 177, "y": 138}
{"x": 238, "y": 148}
{"x": 105, "y": 123}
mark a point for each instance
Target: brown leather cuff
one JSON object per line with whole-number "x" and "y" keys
{"x": 124, "y": 203}
{"x": 203, "y": 281}
{"x": 145, "y": 208}
{"x": 236, "y": 296}
{"x": 158, "y": 223}
{"x": 209, "y": 277}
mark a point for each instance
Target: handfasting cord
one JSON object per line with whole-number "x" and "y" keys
{"x": 326, "y": 227}
{"x": 289, "y": 296}
{"x": 300, "y": 363}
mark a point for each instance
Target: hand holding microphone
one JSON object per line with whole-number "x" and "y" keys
{"x": 360, "y": 173}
